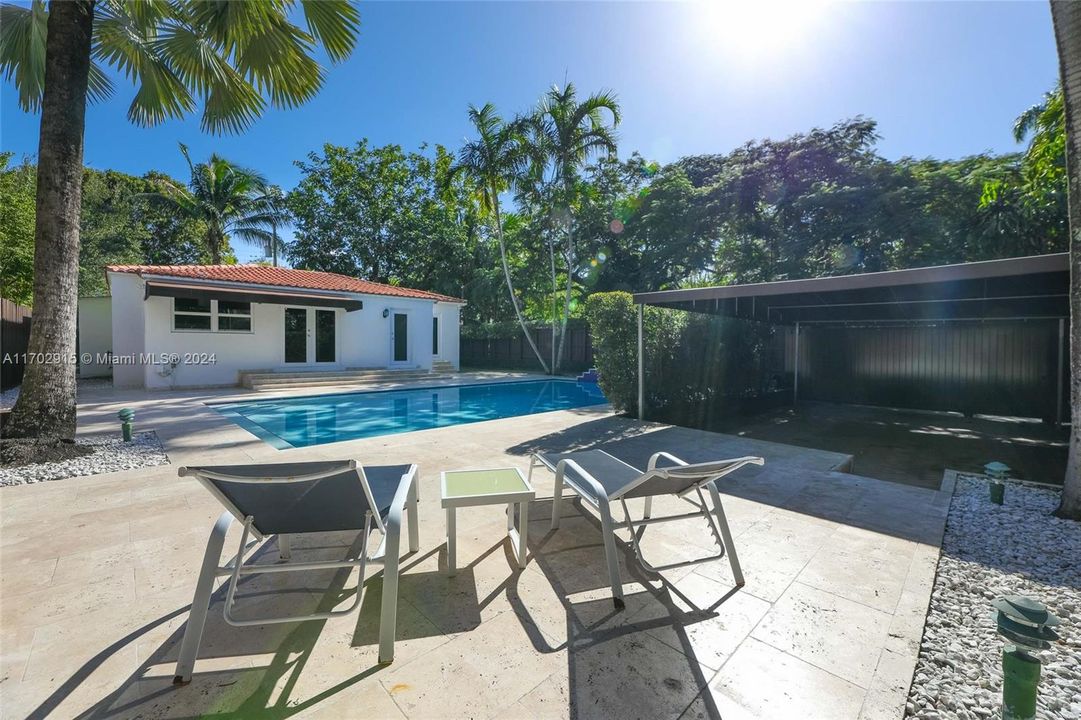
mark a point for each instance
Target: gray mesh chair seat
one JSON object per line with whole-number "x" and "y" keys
{"x": 284, "y": 499}
{"x": 602, "y": 479}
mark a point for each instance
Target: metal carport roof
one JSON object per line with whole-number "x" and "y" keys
{"x": 1025, "y": 287}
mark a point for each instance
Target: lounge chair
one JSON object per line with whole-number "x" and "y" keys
{"x": 284, "y": 499}
{"x": 601, "y": 479}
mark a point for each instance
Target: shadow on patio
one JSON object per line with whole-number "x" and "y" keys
{"x": 248, "y": 672}
{"x": 797, "y": 479}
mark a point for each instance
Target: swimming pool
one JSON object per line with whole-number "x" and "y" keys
{"x": 318, "y": 419}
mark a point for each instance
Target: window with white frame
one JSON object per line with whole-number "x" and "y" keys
{"x": 201, "y": 315}
{"x": 192, "y": 314}
{"x": 234, "y": 316}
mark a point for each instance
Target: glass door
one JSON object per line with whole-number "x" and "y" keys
{"x": 400, "y": 338}
{"x": 326, "y": 344}
{"x": 296, "y": 335}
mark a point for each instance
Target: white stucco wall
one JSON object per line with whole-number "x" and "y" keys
{"x": 128, "y": 327}
{"x": 95, "y": 336}
{"x": 367, "y": 333}
{"x": 261, "y": 349}
{"x": 363, "y": 339}
{"x": 449, "y": 315}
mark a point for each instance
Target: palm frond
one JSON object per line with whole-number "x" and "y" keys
{"x": 335, "y": 23}
{"x": 22, "y": 50}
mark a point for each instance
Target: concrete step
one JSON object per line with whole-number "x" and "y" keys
{"x": 287, "y": 379}
{"x": 443, "y": 366}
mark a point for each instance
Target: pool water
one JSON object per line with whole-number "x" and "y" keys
{"x": 318, "y": 419}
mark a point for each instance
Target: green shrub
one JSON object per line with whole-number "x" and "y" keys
{"x": 698, "y": 367}
{"x": 613, "y": 325}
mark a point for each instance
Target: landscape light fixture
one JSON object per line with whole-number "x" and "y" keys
{"x": 126, "y": 416}
{"x": 1026, "y": 624}
{"x": 999, "y": 473}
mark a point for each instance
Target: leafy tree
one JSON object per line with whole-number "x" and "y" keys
{"x": 566, "y": 134}
{"x": 117, "y": 225}
{"x": 386, "y": 215}
{"x": 227, "y": 201}
{"x": 109, "y": 229}
{"x": 17, "y": 230}
{"x": 492, "y": 163}
{"x": 170, "y": 237}
{"x": 1066, "y": 18}
{"x": 234, "y": 57}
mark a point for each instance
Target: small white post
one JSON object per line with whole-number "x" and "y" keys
{"x": 795, "y": 371}
{"x": 641, "y": 367}
{"x": 1059, "y": 374}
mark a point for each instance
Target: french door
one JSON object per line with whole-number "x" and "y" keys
{"x": 311, "y": 336}
{"x": 399, "y": 338}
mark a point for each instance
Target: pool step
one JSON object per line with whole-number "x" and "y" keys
{"x": 444, "y": 367}
{"x": 320, "y": 378}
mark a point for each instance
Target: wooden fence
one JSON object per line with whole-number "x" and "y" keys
{"x": 14, "y": 338}
{"x": 515, "y": 353}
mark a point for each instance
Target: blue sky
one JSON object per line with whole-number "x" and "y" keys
{"x": 942, "y": 79}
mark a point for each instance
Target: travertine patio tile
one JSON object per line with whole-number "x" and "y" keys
{"x": 773, "y": 552}
{"x": 760, "y": 681}
{"x": 550, "y": 700}
{"x": 68, "y": 599}
{"x": 858, "y": 573}
{"x": 30, "y": 575}
{"x": 837, "y": 635}
{"x": 495, "y": 641}
{"x": 711, "y": 633}
{"x": 889, "y": 688}
{"x": 631, "y": 674}
{"x": 473, "y": 675}
{"x": 15, "y": 644}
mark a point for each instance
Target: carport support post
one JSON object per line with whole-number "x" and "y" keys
{"x": 641, "y": 367}
{"x": 795, "y": 370}
{"x": 1058, "y": 383}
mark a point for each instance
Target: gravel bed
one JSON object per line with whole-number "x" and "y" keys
{"x": 110, "y": 454}
{"x": 991, "y": 550}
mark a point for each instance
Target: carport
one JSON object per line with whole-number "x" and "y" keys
{"x": 978, "y": 338}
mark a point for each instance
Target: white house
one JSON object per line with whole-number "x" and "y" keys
{"x": 202, "y": 325}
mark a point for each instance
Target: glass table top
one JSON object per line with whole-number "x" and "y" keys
{"x": 474, "y": 483}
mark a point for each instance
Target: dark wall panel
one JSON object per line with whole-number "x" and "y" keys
{"x": 994, "y": 368}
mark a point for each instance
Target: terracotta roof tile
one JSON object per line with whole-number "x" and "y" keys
{"x": 280, "y": 277}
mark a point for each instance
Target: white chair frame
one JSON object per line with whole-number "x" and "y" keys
{"x": 405, "y": 498}
{"x": 716, "y": 518}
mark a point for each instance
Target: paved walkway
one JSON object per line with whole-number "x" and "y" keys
{"x": 98, "y": 573}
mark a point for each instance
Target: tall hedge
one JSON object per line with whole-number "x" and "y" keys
{"x": 698, "y": 367}
{"x": 613, "y": 325}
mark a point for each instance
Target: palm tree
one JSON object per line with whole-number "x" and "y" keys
{"x": 229, "y": 201}
{"x": 1066, "y": 18}
{"x": 566, "y": 134}
{"x": 234, "y": 57}
{"x": 493, "y": 163}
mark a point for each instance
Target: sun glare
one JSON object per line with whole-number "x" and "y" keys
{"x": 758, "y": 29}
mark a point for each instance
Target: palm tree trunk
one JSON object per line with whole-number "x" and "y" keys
{"x": 566, "y": 297}
{"x": 1066, "y": 17}
{"x": 46, "y": 404}
{"x": 555, "y": 294}
{"x": 510, "y": 284}
{"x": 214, "y": 242}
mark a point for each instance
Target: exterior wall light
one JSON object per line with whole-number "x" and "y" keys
{"x": 386, "y": 312}
{"x": 126, "y": 415}
{"x": 1026, "y": 625}
{"x": 999, "y": 473}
